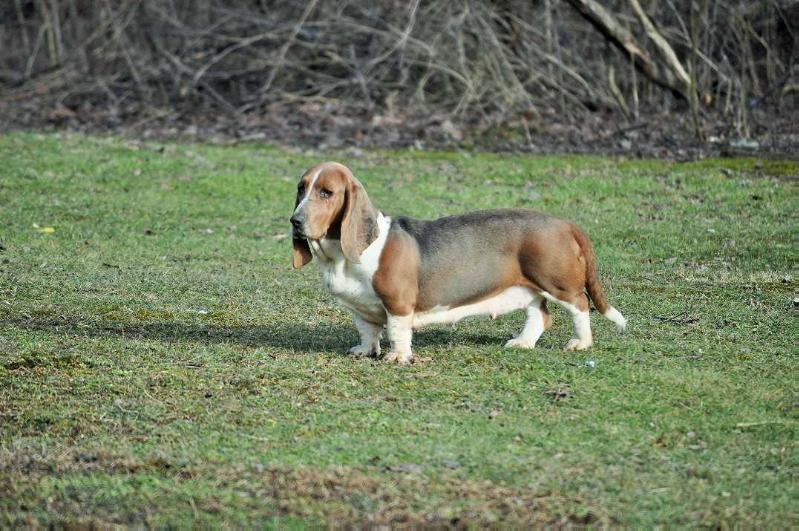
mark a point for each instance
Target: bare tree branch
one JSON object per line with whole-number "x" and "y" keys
{"x": 662, "y": 46}
{"x": 614, "y": 31}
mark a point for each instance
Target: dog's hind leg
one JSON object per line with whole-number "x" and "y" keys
{"x": 578, "y": 310}
{"x": 538, "y": 320}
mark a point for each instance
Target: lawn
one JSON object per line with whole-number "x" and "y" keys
{"x": 162, "y": 364}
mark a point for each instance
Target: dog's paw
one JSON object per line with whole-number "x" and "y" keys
{"x": 400, "y": 358}
{"x": 361, "y": 351}
{"x": 519, "y": 343}
{"x": 577, "y": 344}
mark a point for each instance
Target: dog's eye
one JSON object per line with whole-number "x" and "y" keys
{"x": 325, "y": 193}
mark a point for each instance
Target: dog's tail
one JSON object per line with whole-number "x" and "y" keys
{"x": 592, "y": 285}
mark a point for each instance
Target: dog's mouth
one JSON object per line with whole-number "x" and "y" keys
{"x": 298, "y": 234}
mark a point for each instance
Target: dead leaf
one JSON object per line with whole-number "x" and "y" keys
{"x": 43, "y": 230}
{"x": 60, "y": 114}
{"x": 557, "y": 394}
{"x": 410, "y": 468}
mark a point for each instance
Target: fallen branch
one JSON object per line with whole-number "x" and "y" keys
{"x": 662, "y": 45}
{"x": 617, "y": 34}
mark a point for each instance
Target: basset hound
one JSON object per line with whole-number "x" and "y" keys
{"x": 404, "y": 273}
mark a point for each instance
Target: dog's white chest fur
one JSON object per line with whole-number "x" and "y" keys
{"x": 351, "y": 283}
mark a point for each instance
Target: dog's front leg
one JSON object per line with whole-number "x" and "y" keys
{"x": 400, "y": 332}
{"x": 370, "y": 337}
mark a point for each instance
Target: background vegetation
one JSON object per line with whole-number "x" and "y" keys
{"x": 503, "y": 73}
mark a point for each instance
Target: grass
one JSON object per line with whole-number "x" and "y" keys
{"x": 161, "y": 364}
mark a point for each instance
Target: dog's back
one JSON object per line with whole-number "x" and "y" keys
{"x": 468, "y": 257}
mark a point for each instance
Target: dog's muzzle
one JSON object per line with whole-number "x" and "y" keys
{"x": 296, "y": 225}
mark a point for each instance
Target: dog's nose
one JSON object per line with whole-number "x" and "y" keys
{"x": 296, "y": 222}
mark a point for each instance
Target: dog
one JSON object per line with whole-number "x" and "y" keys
{"x": 404, "y": 273}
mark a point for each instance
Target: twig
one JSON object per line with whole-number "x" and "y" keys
{"x": 661, "y": 44}
{"x": 761, "y": 423}
{"x": 693, "y": 90}
{"x": 614, "y": 89}
{"x": 680, "y": 318}
{"x": 630, "y": 128}
{"x": 282, "y": 54}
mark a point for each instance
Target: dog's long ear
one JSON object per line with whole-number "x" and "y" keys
{"x": 301, "y": 253}
{"x": 359, "y": 222}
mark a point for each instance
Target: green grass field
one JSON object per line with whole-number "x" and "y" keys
{"x": 162, "y": 364}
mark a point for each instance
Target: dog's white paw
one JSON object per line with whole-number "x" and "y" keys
{"x": 400, "y": 358}
{"x": 578, "y": 344}
{"x": 362, "y": 351}
{"x": 517, "y": 342}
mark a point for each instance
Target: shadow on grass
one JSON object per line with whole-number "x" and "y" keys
{"x": 296, "y": 337}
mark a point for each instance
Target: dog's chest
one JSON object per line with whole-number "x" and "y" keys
{"x": 351, "y": 283}
{"x": 352, "y": 286}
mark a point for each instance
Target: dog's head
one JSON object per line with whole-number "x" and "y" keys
{"x": 332, "y": 204}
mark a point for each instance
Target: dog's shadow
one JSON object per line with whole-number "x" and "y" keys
{"x": 293, "y": 337}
